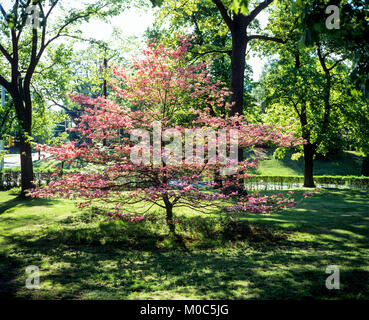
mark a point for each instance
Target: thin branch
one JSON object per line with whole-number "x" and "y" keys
{"x": 6, "y": 53}
{"x": 321, "y": 59}
{"x": 223, "y": 11}
{"x": 61, "y": 29}
{"x": 22, "y": 25}
{"x": 4, "y": 83}
{"x": 51, "y": 8}
{"x": 200, "y": 54}
{"x": 257, "y": 10}
{"x": 266, "y": 38}
{"x": 2, "y": 11}
{"x": 336, "y": 64}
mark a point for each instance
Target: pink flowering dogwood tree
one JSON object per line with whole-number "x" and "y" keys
{"x": 160, "y": 141}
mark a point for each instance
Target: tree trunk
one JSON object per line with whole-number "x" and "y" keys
{"x": 26, "y": 166}
{"x": 238, "y": 64}
{"x": 308, "y": 166}
{"x": 365, "y": 167}
{"x": 24, "y": 115}
{"x": 105, "y": 92}
{"x": 169, "y": 217}
{"x": 239, "y": 44}
{"x": 170, "y": 222}
{"x": 218, "y": 179}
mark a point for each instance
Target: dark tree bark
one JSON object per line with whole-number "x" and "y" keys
{"x": 105, "y": 90}
{"x": 238, "y": 63}
{"x": 169, "y": 215}
{"x": 309, "y": 148}
{"x": 26, "y": 166}
{"x": 309, "y": 166}
{"x": 238, "y": 25}
{"x": 365, "y": 167}
{"x": 23, "y": 109}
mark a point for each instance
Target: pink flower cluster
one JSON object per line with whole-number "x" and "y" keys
{"x": 255, "y": 203}
{"x": 131, "y": 217}
{"x": 311, "y": 193}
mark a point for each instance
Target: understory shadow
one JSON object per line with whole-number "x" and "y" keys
{"x": 111, "y": 272}
{"x": 18, "y": 201}
{"x": 78, "y": 264}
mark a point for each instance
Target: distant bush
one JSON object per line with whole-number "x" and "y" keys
{"x": 326, "y": 181}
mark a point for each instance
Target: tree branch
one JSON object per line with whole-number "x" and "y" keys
{"x": 257, "y": 10}
{"x": 321, "y": 59}
{"x": 5, "y": 83}
{"x": 266, "y": 38}
{"x": 200, "y": 54}
{"x": 59, "y": 33}
{"x": 223, "y": 11}
{"x": 23, "y": 23}
{"x": 6, "y": 54}
{"x": 336, "y": 64}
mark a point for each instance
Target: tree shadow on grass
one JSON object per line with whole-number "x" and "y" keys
{"x": 74, "y": 266}
{"x": 8, "y": 270}
{"x": 110, "y": 272}
{"x": 18, "y": 201}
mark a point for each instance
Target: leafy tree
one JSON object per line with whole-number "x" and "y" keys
{"x": 349, "y": 40}
{"x": 308, "y": 84}
{"x": 224, "y": 20}
{"x": 355, "y": 114}
{"x": 307, "y": 88}
{"x": 155, "y": 87}
{"x": 22, "y": 47}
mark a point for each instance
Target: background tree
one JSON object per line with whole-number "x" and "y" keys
{"x": 22, "y": 48}
{"x": 235, "y": 26}
{"x": 311, "y": 79}
{"x": 307, "y": 88}
{"x": 349, "y": 41}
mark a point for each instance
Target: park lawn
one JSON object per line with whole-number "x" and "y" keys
{"x": 81, "y": 257}
{"x": 346, "y": 163}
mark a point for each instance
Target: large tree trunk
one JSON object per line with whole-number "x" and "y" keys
{"x": 308, "y": 166}
{"x": 365, "y": 167}
{"x": 25, "y": 150}
{"x": 239, "y": 44}
{"x": 238, "y": 64}
{"x": 26, "y": 166}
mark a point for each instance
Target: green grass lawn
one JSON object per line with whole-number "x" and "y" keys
{"x": 342, "y": 164}
{"x": 82, "y": 257}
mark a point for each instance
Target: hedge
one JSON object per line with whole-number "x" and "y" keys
{"x": 11, "y": 178}
{"x": 324, "y": 181}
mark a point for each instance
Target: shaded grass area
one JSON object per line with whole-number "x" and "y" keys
{"x": 341, "y": 164}
{"x": 282, "y": 256}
